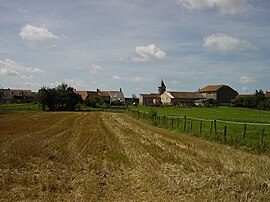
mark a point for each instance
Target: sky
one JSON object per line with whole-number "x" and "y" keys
{"x": 113, "y": 44}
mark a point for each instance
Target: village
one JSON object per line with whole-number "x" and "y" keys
{"x": 210, "y": 95}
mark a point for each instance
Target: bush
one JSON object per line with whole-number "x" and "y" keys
{"x": 264, "y": 105}
{"x": 62, "y": 97}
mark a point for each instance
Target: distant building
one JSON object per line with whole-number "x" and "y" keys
{"x": 109, "y": 97}
{"x": 222, "y": 94}
{"x": 205, "y": 102}
{"x": 17, "y": 96}
{"x": 180, "y": 98}
{"x": 149, "y": 99}
{"x": 152, "y": 98}
{"x": 117, "y": 97}
{"x": 82, "y": 93}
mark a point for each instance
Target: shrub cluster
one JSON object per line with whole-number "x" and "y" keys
{"x": 258, "y": 100}
{"x": 62, "y": 97}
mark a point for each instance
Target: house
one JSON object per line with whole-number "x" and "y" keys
{"x": 86, "y": 94}
{"x": 82, "y": 93}
{"x": 17, "y": 96}
{"x": 205, "y": 102}
{"x": 180, "y": 98}
{"x": 152, "y": 98}
{"x": 117, "y": 97}
{"x": 149, "y": 99}
{"x": 223, "y": 94}
{"x": 109, "y": 97}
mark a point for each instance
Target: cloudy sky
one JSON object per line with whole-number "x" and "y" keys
{"x": 112, "y": 44}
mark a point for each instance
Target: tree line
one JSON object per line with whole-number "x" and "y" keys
{"x": 257, "y": 100}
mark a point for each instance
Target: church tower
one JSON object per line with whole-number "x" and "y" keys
{"x": 161, "y": 88}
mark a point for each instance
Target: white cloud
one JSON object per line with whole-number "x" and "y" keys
{"x": 137, "y": 79}
{"x": 245, "y": 89}
{"x": 33, "y": 84}
{"x": 246, "y": 80}
{"x": 75, "y": 83}
{"x": 150, "y": 52}
{"x": 32, "y": 33}
{"x": 115, "y": 77}
{"x": 174, "y": 83}
{"x": 225, "y": 43}
{"x": 8, "y": 72}
{"x": 71, "y": 82}
{"x": 224, "y": 6}
{"x": 95, "y": 69}
{"x": 138, "y": 59}
{"x": 11, "y": 68}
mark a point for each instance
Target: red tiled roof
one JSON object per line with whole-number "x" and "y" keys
{"x": 104, "y": 93}
{"x": 82, "y": 93}
{"x": 91, "y": 94}
{"x": 210, "y": 88}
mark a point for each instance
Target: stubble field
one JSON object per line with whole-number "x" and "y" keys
{"x": 80, "y": 156}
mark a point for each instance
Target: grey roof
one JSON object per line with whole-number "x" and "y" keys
{"x": 187, "y": 95}
{"x": 117, "y": 95}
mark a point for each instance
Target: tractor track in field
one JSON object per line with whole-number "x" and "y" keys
{"x": 101, "y": 156}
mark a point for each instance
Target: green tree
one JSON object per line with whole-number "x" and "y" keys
{"x": 258, "y": 100}
{"x": 62, "y": 97}
{"x": 87, "y": 102}
{"x": 98, "y": 101}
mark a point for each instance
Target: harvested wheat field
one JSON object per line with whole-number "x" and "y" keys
{"x": 80, "y": 156}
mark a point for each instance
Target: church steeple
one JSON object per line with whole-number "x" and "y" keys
{"x": 162, "y": 87}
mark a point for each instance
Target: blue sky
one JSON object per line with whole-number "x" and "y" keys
{"x": 112, "y": 44}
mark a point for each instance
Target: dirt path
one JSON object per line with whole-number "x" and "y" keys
{"x": 112, "y": 157}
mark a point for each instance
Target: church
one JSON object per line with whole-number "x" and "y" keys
{"x": 153, "y": 98}
{"x": 210, "y": 95}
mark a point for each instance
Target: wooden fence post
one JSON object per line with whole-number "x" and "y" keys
{"x": 185, "y": 122}
{"x": 200, "y": 127}
{"x": 178, "y": 122}
{"x": 211, "y": 129}
{"x": 244, "y": 132}
{"x": 215, "y": 128}
{"x": 190, "y": 126}
{"x": 172, "y": 121}
{"x": 162, "y": 121}
{"x": 262, "y": 135}
{"x": 225, "y": 133}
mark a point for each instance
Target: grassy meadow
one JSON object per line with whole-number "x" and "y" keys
{"x": 247, "y": 128}
{"x": 9, "y": 108}
{"x": 213, "y": 113}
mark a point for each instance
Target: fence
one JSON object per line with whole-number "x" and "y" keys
{"x": 249, "y": 135}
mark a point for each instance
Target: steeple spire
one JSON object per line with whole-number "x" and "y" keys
{"x": 162, "y": 87}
